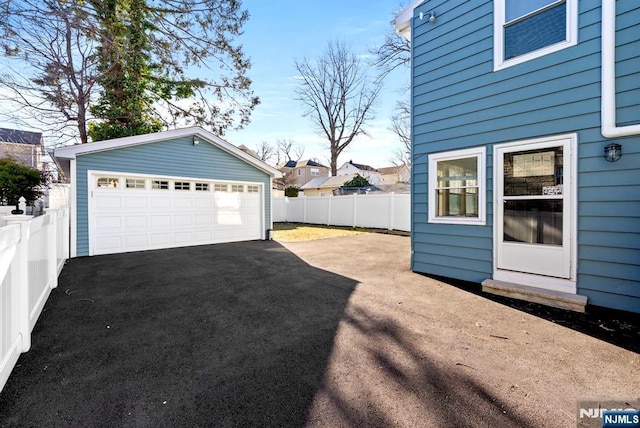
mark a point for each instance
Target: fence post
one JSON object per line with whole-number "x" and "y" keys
{"x": 391, "y": 210}
{"x": 304, "y": 208}
{"x": 329, "y": 210}
{"x": 355, "y": 210}
{"x": 20, "y": 275}
{"x": 52, "y": 247}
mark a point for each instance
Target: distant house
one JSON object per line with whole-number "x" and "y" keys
{"x": 526, "y": 147}
{"x": 324, "y": 186}
{"x": 297, "y": 173}
{"x": 25, "y": 147}
{"x": 350, "y": 168}
{"x": 395, "y": 174}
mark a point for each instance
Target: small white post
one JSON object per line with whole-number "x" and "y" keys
{"x": 22, "y": 204}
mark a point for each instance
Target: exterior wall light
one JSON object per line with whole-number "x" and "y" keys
{"x": 432, "y": 16}
{"x": 195, "y": 141}
{"x": 613, "y": 152}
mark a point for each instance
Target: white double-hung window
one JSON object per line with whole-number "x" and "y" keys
{"x": 524, "y": 30}
{"x": 457, "y": 187}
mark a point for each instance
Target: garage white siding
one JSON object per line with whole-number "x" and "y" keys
{"x": 179, "y": 160}
{"x": 133, "y": 213}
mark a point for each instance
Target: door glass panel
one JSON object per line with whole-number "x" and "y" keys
{"x": 536, "y": 221}
{"x": 533, "y": 172}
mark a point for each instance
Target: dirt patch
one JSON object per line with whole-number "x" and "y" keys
{"x": 296, "y": 232}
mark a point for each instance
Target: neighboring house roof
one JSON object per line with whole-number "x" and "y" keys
{"x": 391, "y": 169}
{"x": 248, "y": 151}
{"x": 360, "y": 166}
{"x": 65, "y": 154}
{"x": 20, "y": 137}
{"x": 302, "y": 163}
{"x": 326, "y": 182}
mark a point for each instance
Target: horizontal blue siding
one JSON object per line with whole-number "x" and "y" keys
{"x": 177, "y": 157}
{"x": 459, "y": 102}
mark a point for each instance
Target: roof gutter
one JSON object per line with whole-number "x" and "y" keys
{"x": 608, "y": 95}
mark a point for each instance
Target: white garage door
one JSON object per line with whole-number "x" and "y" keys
{"x": 133, "y": 213}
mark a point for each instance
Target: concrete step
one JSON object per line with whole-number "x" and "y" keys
{"x": 557, "y": 299}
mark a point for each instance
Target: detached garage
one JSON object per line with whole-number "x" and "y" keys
{"x": 168, "y": 189}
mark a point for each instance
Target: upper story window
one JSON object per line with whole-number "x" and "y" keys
{"x": 524, "y": 30}
{"x": 315, "y": 172}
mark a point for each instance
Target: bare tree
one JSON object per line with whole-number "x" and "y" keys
{"x": 51, "y": 66}
{"x": 265, "y": 151}
{"x": 401, "y": 126}
{"x": 290, "y": 150}
{"x": 338, "y": 96}
{"x": 394, "y": 52}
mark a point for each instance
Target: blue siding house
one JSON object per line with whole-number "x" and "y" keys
{"x": 167, "y": 189}
{"x": 526, "y": 147}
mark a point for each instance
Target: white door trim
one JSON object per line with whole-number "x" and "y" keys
{"x": 550, "y": 283}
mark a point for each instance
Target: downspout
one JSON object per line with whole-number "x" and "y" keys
{"x": 608, "y": 95}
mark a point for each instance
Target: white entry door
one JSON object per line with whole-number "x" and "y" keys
{"x": 534, "y": 214}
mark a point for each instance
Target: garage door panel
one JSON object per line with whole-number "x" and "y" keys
{"x": 104, "y": 245}
{"x": 108, "y": 222}
{"x": 182, "y": 220}
{"x": 160, "y": 239}
{"x": 128, "y": 219}
{"x": 160, "y": 220}
{"x": 108, "y": 202}
{"x": 136, "y": 222}
{"x": 135, "y": 241}
{"x": 156, "y": 202}
{"x": 131, "y": 202}
{"x": 204, "y": 219}
{"x": 182, "y": 237}
{"x": 203, "y": 202}
{"x": 182, "y": 202}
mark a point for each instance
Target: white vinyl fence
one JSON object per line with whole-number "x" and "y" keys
{"x": 32, "y": 254}
{"x": 384, "y": 211}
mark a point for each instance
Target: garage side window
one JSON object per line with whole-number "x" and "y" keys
{"x": 182, "y": 185}
{"x": 108, "y": 182}
{"x": 202, "y": 187}
{"x": 135, "y": 183}
{"x": 160, "y": 184}
{"x": 253, "y": 189}
{"x": 237, "y": 188}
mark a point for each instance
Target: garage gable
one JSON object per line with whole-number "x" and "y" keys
{"x": 188, "y": 157}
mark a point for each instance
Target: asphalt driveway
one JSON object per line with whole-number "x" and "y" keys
{"x": 335, "y": 332}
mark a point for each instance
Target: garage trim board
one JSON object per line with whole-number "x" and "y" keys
{"x": 135, "y": 212}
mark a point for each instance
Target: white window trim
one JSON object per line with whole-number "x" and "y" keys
{"x": 480, "y": 153}
{"x": 499, "y": 62}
